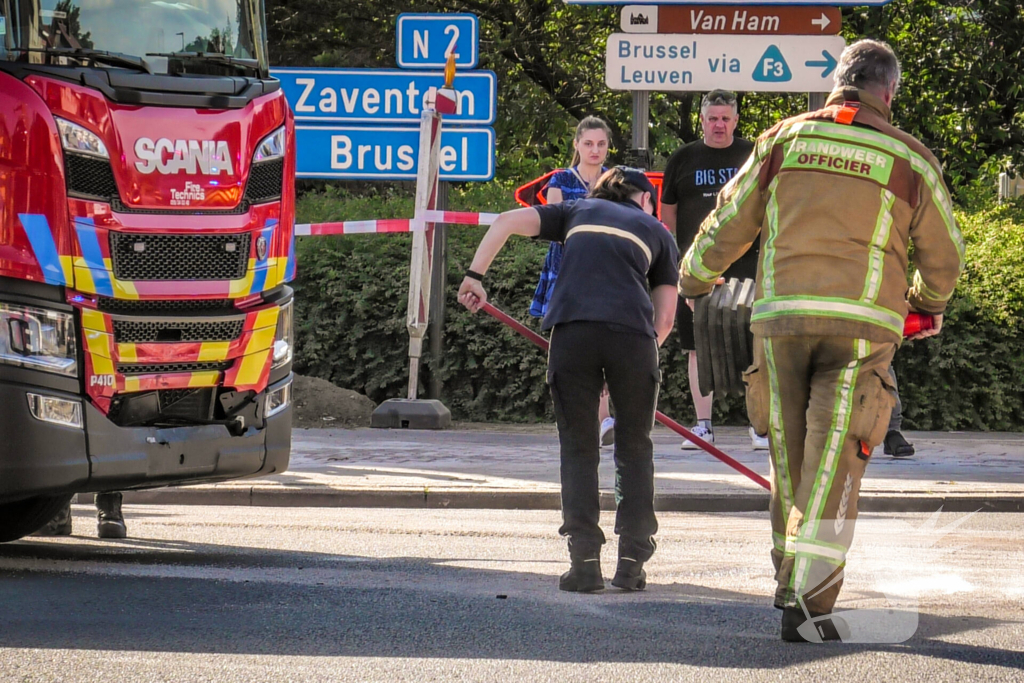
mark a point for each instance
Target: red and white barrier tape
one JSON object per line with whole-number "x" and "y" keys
{"x": 394, "y": 224}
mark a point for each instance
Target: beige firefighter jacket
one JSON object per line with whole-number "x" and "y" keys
{"x": 836, "y": 206}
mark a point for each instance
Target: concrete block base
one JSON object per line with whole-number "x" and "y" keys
{"x": 404, "y": 413}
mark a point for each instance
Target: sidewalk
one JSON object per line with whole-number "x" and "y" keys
{"x": 516, "y": 467}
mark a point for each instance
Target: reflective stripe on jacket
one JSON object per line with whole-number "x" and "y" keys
{"x": 836, "y": 206}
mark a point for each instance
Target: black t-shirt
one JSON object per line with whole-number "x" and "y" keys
{"x": 694, "y": 175}
{"x": 613, "y": 254}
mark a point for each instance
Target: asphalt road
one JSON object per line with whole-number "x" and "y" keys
{"x": 293, "y": 594}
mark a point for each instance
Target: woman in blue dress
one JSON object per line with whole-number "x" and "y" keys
{"x": 590, "y": 150}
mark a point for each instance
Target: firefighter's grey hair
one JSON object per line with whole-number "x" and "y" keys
{"x": 869, "y": 65}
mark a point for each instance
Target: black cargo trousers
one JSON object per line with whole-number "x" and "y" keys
{"x": 582, "y": 358}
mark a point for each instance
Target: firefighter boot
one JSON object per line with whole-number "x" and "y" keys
{"x": 797, "y": 628}
{"x": 630, "y": 575}
{"x": 60, "y": 525}
{"x": 109, "y": 521}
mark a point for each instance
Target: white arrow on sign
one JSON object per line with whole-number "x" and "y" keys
{"x": 823, "y": 22}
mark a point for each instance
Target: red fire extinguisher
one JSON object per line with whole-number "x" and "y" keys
{"x": 917, "y": 322}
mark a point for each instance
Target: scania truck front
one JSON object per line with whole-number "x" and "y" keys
{"x": 146, "y": 242}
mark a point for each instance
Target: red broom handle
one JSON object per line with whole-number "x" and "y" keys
{"x": 659, "y": 416}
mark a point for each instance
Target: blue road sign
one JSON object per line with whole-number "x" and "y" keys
{"x": 390, "y": 152}
{"x": 384, "y": 96}
{"x": 424, "y": 40}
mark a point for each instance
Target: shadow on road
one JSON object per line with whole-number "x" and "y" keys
{"x": 177, "y": 596}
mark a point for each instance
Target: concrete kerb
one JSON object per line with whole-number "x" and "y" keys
{"x": 325, "y": 497}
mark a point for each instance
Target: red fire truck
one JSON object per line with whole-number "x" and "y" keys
{"x": 146, "y": 241}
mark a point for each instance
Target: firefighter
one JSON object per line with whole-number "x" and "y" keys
{"x": 837, "y": 196}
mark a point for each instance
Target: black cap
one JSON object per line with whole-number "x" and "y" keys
{"x": 639, "y": 180}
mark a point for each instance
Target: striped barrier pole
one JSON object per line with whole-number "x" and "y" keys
{"x": 395, "y": 224}
{"x": 541, "y": 342}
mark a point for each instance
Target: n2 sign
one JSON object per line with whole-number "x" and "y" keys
{"x": 425, "y": 40}
{"x": 390, "y": 152}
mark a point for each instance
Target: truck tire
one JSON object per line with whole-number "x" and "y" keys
{"x": 20, "y": 518}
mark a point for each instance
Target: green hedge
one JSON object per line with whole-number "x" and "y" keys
{"x": 351, "y": 321}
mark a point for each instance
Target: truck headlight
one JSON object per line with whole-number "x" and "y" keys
{"x": 278, "y": 399}
{"x": 270, "y": 147}
{"x": 59, "y": 411}
{"x": 39, "y": 339}
{"x": 284, "y": 335}
{"x": 80, "y": 140}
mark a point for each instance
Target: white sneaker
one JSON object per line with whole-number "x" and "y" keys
{"x": 702, "y": 432}
{"x": 759, "y": 443}
{"x": 608, "y": 432}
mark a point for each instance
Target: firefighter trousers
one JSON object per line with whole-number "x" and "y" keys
{"x": 825, "y": 403}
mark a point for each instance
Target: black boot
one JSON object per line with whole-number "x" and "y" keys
{"x": 109, "y": 521}
{"x": 60, "y": 525}
{"x": 897, "y": 446}
{"x": 630, "y": 575}
{"x": 826, "y": 626}
{"x": 584, "y": 576}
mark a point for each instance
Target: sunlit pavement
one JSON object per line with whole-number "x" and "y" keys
{"x": 517, "y": 467}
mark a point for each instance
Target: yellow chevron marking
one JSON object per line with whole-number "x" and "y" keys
{"x": 93, "y": 320}
{"x": 67, "y": 264}
{"x": 261, "y": 340}
{"x": 83, "y": 277}
{"x": 251, "y": 368}
{"x": 131, "y": 385}
{"x": 204, "y": 379}
{"x": 98, "y": 343}
{"x": 243, "y": 287}
{"x": 211, "y": 351}
{"x": 101, "y": 365}
{"x": 123, "y": 289}
{"x": 127, "y": 353}
{"x": 267, "y": 318}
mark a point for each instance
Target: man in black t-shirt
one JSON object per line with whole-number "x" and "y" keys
{"x": 693, "y": 177}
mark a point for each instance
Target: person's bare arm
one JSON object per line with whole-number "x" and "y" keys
{"x": 554, "y": 195}
{"x": 669, "y": 215}
{"x": 524, "y": 222}
{"x": 664, "y": 298}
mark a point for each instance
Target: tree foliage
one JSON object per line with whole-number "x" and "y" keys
{"x": 963, "y": 90}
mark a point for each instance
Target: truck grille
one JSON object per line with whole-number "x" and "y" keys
{"x": 179, "y": 257}
{"x": 170, "y": 368}
{"x": 167, "y": 406}
{"x": 143, "y": 331}
{"x": 171, "y": 307}
{"x": 264, "y": 184}
{"x": 89, "y": 176}
{"x": 185, "y": 404}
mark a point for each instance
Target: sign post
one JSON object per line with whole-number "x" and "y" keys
{"x": 412, "y": 412}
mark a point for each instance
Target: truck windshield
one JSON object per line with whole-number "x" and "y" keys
{"x": 71, "y": 31}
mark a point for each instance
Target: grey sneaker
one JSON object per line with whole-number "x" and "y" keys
{"x": 702, "y": 432}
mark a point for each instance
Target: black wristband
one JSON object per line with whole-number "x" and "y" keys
{"x": 473, "y": 275}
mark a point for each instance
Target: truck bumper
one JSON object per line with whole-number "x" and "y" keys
{"x": 40, "y": 458}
